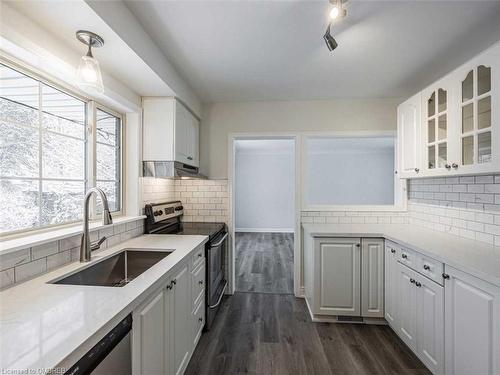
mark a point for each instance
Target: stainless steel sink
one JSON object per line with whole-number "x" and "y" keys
{"x": 116, "y": 271}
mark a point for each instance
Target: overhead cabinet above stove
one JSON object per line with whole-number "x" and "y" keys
{"x": 170, "y": 131}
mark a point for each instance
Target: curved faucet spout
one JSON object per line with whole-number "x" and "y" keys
{"x": 86, "y": 246}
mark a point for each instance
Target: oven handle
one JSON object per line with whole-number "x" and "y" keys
{"x": 220, "y": 298}
{"x": 220, "y": 242}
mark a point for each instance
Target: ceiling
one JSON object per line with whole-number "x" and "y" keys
{"x": 273, "y": 50}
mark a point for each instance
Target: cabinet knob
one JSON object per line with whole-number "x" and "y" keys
{"x": 454, "y": 165}
{"x": 417, "y": 170}
{"x": 200, "y": 255}
{"x": 190, "y": 158}
{"x": 426, "y": 267}
{"x": 446, "y": 276}
{"x": 200, "y": 320}
{"x": 393, "y": 251}
{"x": 358, "y": 245}
{"x": 404, "y": 256}
{"x": 412, "y": 281}
{"x": 200, "y": 282}
{"x": 169, "y": 286}
{"x": 447, "y": 166}
{"x": 174, "y": 281}
{"x": 418, "y": 284}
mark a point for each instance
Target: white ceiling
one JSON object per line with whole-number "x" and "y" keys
{"x": 273, "y": 50}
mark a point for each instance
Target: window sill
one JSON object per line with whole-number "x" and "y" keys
{"x": 11, "y": 244}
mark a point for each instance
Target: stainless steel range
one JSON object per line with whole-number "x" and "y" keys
{"x": 166, "y": 218}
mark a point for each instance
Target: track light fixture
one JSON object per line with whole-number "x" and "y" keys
{"x": 336, "y": 12}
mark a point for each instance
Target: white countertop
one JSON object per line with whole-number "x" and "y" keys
{"x": 474, "y": 257}
{"x": 43, "y": 325}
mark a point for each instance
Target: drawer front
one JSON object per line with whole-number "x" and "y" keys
{"x": 431, "y": 268}
{"x": 407, "y": 257}
{"x": 198, "y": 322}
{"x": 198, "y": 257}
{"x": 198, "y": 285}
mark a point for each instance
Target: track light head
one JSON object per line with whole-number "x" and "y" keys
{"x": 331, "y": 43}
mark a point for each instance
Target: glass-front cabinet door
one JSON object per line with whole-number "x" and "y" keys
{"x": 477, "y": 106}
{"x": 436, "y": 124}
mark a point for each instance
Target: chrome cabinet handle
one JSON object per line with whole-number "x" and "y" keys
{"x": 169, "y": 286}
{"x": 200, "y": 282}
{"x": 446, "y": 276}
{"x": 189, "y": 158}
{"x": 200, "y": 320}
{"x": 454, "y": 165}
{"x": 393, "y": 251}
{"x": 417, "y": 170}
{"x": 404, "y": 256}
{"x": 412, "y": 281}
{"x": 174, "y": 281}
{"x": 418, "y": 284}
{"x": 426, "y": 267}
{"x": 200, "y": 255}
{"x": 447, "y": 166}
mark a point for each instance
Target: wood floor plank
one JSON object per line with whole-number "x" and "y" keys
{"x": 261, "y": 333}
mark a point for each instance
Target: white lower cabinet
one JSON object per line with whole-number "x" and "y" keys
{"x": 149, "y": 337}
{"x": 179, "y": 322}
{"x": 337, "y": 278}
{"x": 166, "y": 328}
{"x": 391, "y": 285}
{"x": 416, "y": 307}
{"x": 472, "y": 325}
{"x": 372, "y": 277}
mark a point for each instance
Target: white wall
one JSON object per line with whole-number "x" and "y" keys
{"x": 221, "y": 119}
{"x": 264, "y": 185}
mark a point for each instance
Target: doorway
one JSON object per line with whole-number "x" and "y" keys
{"x": 264, "y": 215}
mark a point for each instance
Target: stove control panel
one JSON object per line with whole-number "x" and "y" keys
{"x": 162, "y": 211}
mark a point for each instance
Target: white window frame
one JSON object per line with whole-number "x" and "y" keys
{"x": 91, "y": 107}
{"x": 400, "y": 196}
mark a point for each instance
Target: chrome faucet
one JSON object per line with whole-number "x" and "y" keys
{"x": 87, "y": 247}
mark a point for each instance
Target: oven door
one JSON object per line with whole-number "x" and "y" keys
{"x": 216, "y": 283}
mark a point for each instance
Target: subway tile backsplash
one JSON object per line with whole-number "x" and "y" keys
{"x": 467, "y": 206}
{"x": 25, "y": 264}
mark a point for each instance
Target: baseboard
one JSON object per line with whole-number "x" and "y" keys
{"x": 265, "y": 230}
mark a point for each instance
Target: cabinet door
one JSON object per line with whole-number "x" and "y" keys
{"x": 391, "y": 286}
{"x": 180, "y": 312}
{"x": 149, "y": 338}
{"x": 430, "y": 324}
{"x": 182, "y": 136}
{"x": 436, "y": 128}
{"x": 407, "y": 306}
{"x": 472, "y": 325}
{"x": 158, "y": 119}
{"x": 477, "y": 84}
{"x": 372, "y": 277}
{"x": 195, "y": 141}
{"x": 337, "y": 276}
{"x": 409, "y": 114}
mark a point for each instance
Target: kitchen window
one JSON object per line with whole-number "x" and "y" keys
{"x": 51, "y": 152}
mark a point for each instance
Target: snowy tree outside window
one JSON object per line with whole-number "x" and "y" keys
{"x": 45, "y": 154}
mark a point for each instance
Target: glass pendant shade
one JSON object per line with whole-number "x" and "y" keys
{"x": 89, "y": 76}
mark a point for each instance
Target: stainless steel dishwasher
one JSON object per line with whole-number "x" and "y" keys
{"x": 111, "y": 355}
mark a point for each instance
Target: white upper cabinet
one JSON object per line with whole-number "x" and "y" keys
{"x": 457, "y": 130}
{"x": 170, "y": 131}
{"x": 436, "y": 130}
{"x": 409, "y": 114}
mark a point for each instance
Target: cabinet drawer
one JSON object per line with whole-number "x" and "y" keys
{"x": 431, "y": 268}
{"x": 198, "y": 285}
{"x": 407, "y": 257}
{"x": 198, "y": 322}
{"x": 198, "y": 257}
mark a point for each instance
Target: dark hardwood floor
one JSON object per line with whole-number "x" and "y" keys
{"x": 259, "y": 333}
{"x": 264, "y": 262}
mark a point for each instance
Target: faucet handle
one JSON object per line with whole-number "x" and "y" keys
{"x": 106, "y": 217}
{"x": 97, "y": 245}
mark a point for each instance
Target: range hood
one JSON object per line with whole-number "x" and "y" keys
{"x": 170, "y": 169}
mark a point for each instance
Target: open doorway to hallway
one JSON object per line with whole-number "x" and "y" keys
{"x": 264, "y": 202}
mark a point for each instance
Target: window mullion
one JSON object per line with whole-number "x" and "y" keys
{"x": 40, "y": 143}
{"x": 91, "y": 153}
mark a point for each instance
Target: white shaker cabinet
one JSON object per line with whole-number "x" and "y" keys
{"x": 372, "y": 277}
{"x": 407, "y": 306}
{"x": 337, "y": 276}
{"x": 149, "y": 342}
{"x": 409, "y": 134}
{"x": 170, "y": 131}
{"x": 179, "y": 299}
{"x": 391, "y": 285}
{"x": 472, "y": 325}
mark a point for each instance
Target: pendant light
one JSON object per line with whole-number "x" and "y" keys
{"x": 88, "y": 75}
{"x": 337, "y": 12}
